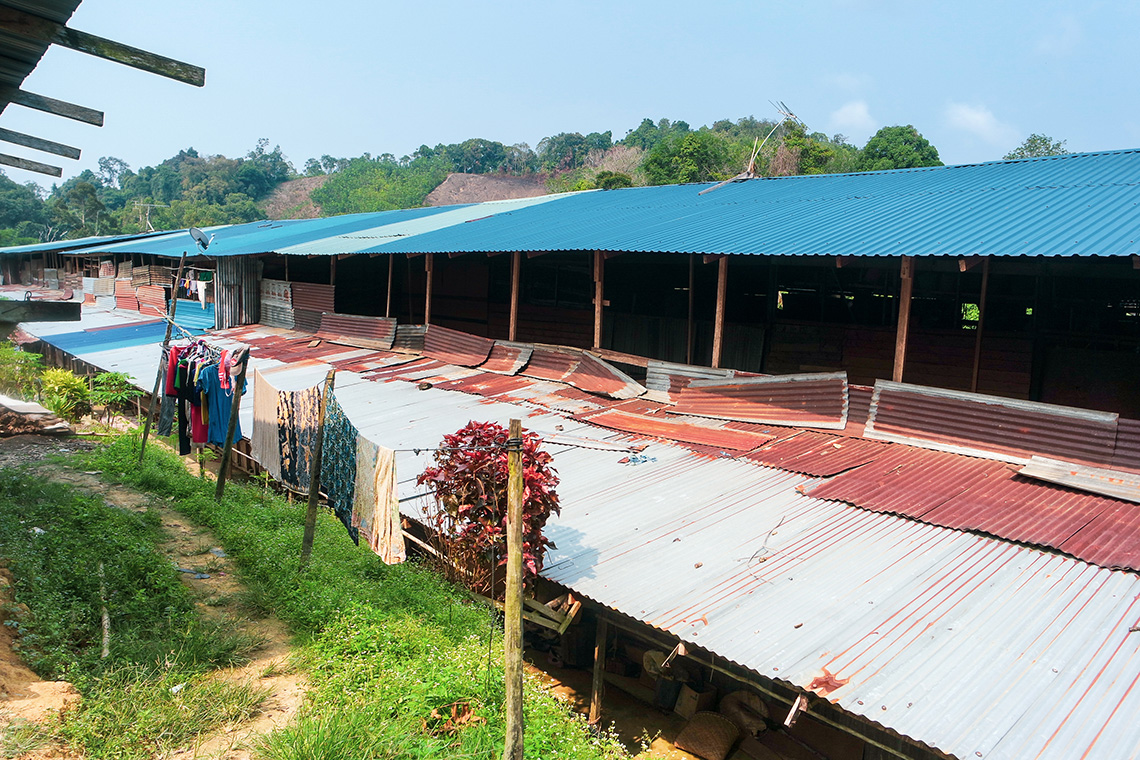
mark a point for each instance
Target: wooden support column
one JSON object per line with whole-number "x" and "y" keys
{"x": 310, "y": 532}
{"x": 905, "y": 290}
{"x": 689, "y": 331}
{"x": 599, "y": 682}
{"x": 516, "y": 263}
{"x": 599, "y": 295}
{"x": 332, "y": 270}
{"x": 388, "y": 303}
{"x": 718, "y": 325}
{"x": 428, "y": 263}
{"x": 238, "y": 387}
{"x": 513, "y": 600}
{"x": 981, "y": 323}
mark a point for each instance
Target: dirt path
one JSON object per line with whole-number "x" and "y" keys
{"x": 207, "y": 572}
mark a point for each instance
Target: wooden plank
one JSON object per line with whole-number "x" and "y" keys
{"x": 56, "y": 107}
{"x": 37, "y": 143}
{"x": 598, "y": 685}
{"x": 599, "y": 296}
{"x": 904, "y": 318}
{"x": 516, "y": 261}
{"x": 718, "y": 323}
{"x": 33, "y": 27}
{"x": 428, "y": 271}
{"x": 30, "y": 166}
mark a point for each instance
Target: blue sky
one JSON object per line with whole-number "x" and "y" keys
{"x": 344, "y": 77}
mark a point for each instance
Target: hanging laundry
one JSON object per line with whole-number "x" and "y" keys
{"x": 376, "y": 506}
{"x": 297, "y": 415}
{"x": 216, "y": 403}
{"x": 338, "y": 464}
{"x": 265, "y": 446}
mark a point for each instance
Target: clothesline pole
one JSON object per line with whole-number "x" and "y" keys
{"x": 513, "y": 601}
{"x": 223, "y": 467}
{"x": 171, "y": 308}
{"x": 315, "y": 474}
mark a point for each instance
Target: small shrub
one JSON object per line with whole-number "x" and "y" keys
{"x": 111, "y": 389}
{"x": 66, "y": 394}
{"x": 19, "y": 369}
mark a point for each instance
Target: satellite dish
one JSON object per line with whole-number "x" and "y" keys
{"x": 200, "y": 238}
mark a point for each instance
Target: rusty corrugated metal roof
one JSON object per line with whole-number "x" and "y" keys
{"x": 359, "y": 331}
{"x": 978, "y": 425}
{"x": 1098, "y": 480}
{"x": 311, "y": 296}
{"x": 815, "y": 453}
{"x": 817, "y": 400}
{"x": 551, "y": 362}
{"x": 507, "y": 358}
{"x": 455, "y": 347}
{"x": 1126, "y": 455}
{"x": 675, "y": 430}
{"x": 670, "y": 378}
{"x": 595, "y": 375}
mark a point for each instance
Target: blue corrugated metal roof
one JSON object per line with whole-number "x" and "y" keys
{"x": 1073, "y": 205}
{"x": 71, "y": 245}
{"x": 107, "y": 338}
{"x": 193, "y": 316}
{"x": 268, "y": 236}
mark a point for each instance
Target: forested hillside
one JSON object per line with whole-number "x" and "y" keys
{"x": 191, "y": 189}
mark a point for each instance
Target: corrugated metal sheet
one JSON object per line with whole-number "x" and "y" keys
{"x": 354, "y": 330}
{"x": 277, "y": 304}
{"x": 820, "y": 454}
{"x": 152, "y": 300}
{"x": 306, "y": 321}
{"x": 194, "y": 315}
{"x": 237, "y": 292}
{"x": 1126, "y": 454}
{"x": 595, "y": 375}
{"x": 409, "y": 337}
{"x": 675, "y": 430}
{"x": 507, "y": 358}
{"x": 1073, "y": 205}
{"x": 809, "y": 400}
{"x": 125, "y": 297}
{"x": 1114, "y": 483}
{"x": 978, "y": 425}
{"x": 551, "y": 362}
{"x": 314, "y": 297}
{"x": 670, "y": 378}
{"x": 456, "y": 347}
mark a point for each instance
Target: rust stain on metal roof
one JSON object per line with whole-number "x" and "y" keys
{"x": 811, "y": 400}
{"x": 455, "y": 347}
{"x": 668, "y": 429}
{"x": 596, "y": 375}
{"x": 977, "y": 425}
{"x": 507, "y": 358}
{"x": 310, "y": 296}
{"x": 355, "y": 330}
{"x": 551, "y": 363}
{"x": 820, "y": 454}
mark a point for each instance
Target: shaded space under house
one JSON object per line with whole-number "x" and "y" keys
{"x": 849, "y": 497}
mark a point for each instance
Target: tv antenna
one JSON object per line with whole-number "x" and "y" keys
{"x": 139, "y": 206}
{"x": 750, "y": 171}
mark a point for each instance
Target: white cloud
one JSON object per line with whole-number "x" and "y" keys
{"x": 852, "y": 83}
{"x": 980, "y": 122}
{"x": 1064, "y": 37}
{"x": 853, "y": 116}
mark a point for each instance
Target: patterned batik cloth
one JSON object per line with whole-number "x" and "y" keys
{"x": 338, "y": 464}
{"x": 265, "y": 444}
{"x": 297, "y": 414}
{"x": 376, "y": 508}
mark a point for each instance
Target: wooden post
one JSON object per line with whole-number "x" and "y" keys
{"x": 516, "y": 263}
{"x": 513, "y": 602}
{"x": 689, "y": 332}
{"x": 388, "y": 303}
{"x": 332, "y": 270}
{"x": 718, "y": 325}
{"x": 231, "y": 429}
{"x": 315, "y": 475}
{"x": 599, "y": 670}
{"x": 171, "y": 309}
{"x": 428, "y": 261}
{"x": 599, "y": 295}
{"x": 981, "y": 322}
{"x": 907, "y": 276}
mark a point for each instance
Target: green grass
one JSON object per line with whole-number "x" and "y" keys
{"x": 382, "y": 646}
{"x": 71, "y": 555}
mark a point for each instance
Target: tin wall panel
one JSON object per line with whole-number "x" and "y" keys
{"x": 456, "y": 347}
{"x": 1126, "y": 453}
{"x": 671, "y": 378}
{"x": 313, "y": 297}
{"x": 307, "y": 321}
{"x": 812, "y": 400}
{"x": 355, "y": 330}
{"x": 409, "y": 337}
{"x": 980, "y": 425}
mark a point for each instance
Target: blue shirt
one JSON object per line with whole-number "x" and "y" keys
{"x": 218, "y": 401}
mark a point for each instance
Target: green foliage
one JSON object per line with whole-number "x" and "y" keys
{"x": 897, "y": 148}
{"x": 112, "y": 389}
{"x": 385, "y": 644}
{"x": 381, "y": 184}
{"x": 607, "y": 180}
{"x": 689, "y": 157}
{"x": 65, "y": 393}
{"x": 19, "y": 370}
{"x": 1037, "y": 146}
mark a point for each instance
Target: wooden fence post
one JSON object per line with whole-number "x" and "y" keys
{"x": 513, "y": 602}
{"x": 315, "y": 475}
{"x": 231, "y": 429}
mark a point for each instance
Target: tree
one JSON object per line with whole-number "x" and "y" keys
{"x": 688, "y": 157}
{"x": 897, "y": 147}
{"x": 1037, "y": 146}
{"x": 607, "y": 180}
{"x": 111, "y": 169}
{"x": 469, "y": 482}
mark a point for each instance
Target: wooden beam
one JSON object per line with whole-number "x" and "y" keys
{"x": 907, "y": 277}
{"x": 689, "y": 331}
{"x": 612, "y": 254}
{"x": 536, "y": 254}
{"x": 30, "y": 166}
{"x": 599, "y": 681}
{"x": 36, "y": 143}
{"x": 428, "y": 268}
{"x": 709, "y": 258}
{"x": 513, "y": 600}
{"x": 599, "y": 295}
{"x": 981, "y": 322}
{"x": 388, "y": 302}
{"x": 32, "y": 27}
{"x": 1135, "y": 262}
{"x": 842, "y": 261}
{"x": 718, "y": 325}
{"x": 332, "y": 270}
{"x": 516, "y": 264}
{"x": 55, "y": 107}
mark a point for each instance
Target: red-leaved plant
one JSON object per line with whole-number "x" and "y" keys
{"x": 469, "y": 479}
